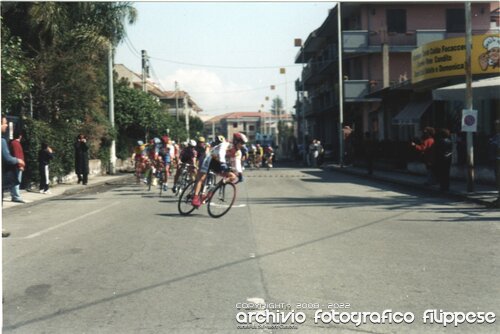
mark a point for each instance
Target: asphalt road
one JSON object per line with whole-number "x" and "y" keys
{"x": 120, "y": 259}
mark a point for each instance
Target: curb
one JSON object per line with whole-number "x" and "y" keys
{"x": 73, "y": 191}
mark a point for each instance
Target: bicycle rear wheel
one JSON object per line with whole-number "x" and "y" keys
{"x": 183, "y": 183}
{"x": 184, "y": 204}
{"x": 222, "y": 199}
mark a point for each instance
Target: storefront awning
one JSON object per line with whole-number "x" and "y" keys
{"x": 411, "y": 114}
{"x": 482, "y": 89}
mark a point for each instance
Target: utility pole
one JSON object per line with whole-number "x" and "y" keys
{"x": 497, "y": 143}
{"x": 176, "y": 101}
{"x": 145, "y": 69}
{"x": 111, "y": 107}
{"x": 302, "y": 123}
{"x": 186, "y": 115}
{"x": 341, "y": 87}
{"x": 213, "y": 130}
{"x": 468, "y": 95}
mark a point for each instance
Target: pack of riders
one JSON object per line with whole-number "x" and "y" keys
{"x": 220, "y": 156}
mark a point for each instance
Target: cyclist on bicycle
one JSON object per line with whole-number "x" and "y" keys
{"x": 216, "y": 162}
{"x": 139, "y": 158}
{"x": 268, "y": 156}
{"x": 165, "y": 156}
{"x": 201, "y": 151}
{"x": 258, "y": 156}
{"x": 187, "y": 156}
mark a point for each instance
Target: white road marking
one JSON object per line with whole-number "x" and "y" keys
{"x": 37, "y": 234}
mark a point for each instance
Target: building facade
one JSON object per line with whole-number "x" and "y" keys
{"x": 259, "y": 127}
{"x": 377, "y": 40}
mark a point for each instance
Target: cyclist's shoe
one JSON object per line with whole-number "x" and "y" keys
{"x": 204, "y": 198}
{"x": 196, "y": 202}
{"x": 174, "y": 189}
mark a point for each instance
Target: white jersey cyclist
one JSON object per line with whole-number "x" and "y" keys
{"x": 216, "y": 161}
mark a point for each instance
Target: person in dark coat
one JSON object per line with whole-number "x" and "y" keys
{"x": 82, "y": 159}
{"x": 443, "y": 153}
{"x": 44, "y": 156}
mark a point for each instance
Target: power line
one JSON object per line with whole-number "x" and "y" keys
{"x": 131, "y": 47}
{"x": 157, "y": 79}
{"x": 225, "y": 66}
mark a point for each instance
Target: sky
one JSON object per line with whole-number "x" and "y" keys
{"x": 226, "y": 55}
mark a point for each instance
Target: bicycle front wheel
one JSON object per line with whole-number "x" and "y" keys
{"x": 184, "y": 204}
{"x": 222, "y": 199}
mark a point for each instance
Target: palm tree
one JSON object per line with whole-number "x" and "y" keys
{"x": 81, "y": 22}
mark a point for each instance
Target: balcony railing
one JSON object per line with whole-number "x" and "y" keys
{"x": 427, "y": 36}
{"x": 354, "y": 40}
{"x": 356, "y": 89}
{"x": 370, "y": 41}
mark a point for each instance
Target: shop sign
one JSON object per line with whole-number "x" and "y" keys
{"x": 446, "y": 58}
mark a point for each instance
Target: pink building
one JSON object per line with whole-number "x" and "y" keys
{"x": 377, "y": 41}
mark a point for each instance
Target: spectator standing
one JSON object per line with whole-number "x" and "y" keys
{"x": 44, "y": 156}
{"x": 313, "y": 153}
{"x": 443, "y": 152}
{"x": 426, "y": 148}
{"x": 321, "y": 154}
{"x": 9, "y": 166}
{"x": 17, "y": 151}
{"x": 82, "y": 159}
{"x": 348, "y": 147}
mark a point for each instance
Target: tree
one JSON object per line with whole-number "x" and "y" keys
{"x": 138, "y": 116}
{"x": 277, "y": 106}
{"x": 66, "y": 44}
{"x": 16, "y": 82}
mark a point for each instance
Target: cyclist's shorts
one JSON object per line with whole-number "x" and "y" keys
{"x": 187, "y": 161}
{"x": 210, "y": 164}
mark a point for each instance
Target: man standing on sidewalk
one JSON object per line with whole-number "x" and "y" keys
{"x": 82, "y": 159}
{"x": 17, "y": 151}
{"x": 9, "y": 165}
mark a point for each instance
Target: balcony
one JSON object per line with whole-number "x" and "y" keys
{"x": 355, "y": 40}
{"x": 299, "y": 85}
{"x": 430, "y": 35}
{"x": 355, "y": 90}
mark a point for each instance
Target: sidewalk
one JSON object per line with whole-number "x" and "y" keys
{"x": 483, "y": 194}
{"x": 34, "y": 196}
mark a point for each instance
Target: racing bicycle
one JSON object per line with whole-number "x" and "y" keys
{"x": 218, "y": 195}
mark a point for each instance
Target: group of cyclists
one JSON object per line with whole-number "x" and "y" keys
{"x": 260, "y": 155}
{"x": 226, "y": 158}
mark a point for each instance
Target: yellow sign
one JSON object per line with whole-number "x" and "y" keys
{"x": 446, "y": 58}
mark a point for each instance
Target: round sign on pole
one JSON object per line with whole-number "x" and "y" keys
{"x": 469, "y": 120}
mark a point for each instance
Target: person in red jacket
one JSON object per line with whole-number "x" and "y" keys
{"x": 17, "y": 151}
{"x": 427, "y": 150}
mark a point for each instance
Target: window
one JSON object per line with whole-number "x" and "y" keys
{"x": 251, "y": 127}
{"x": 455, "y": 20}
{"x": 396, "y": 20}
{"x": 235, "y": 125}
